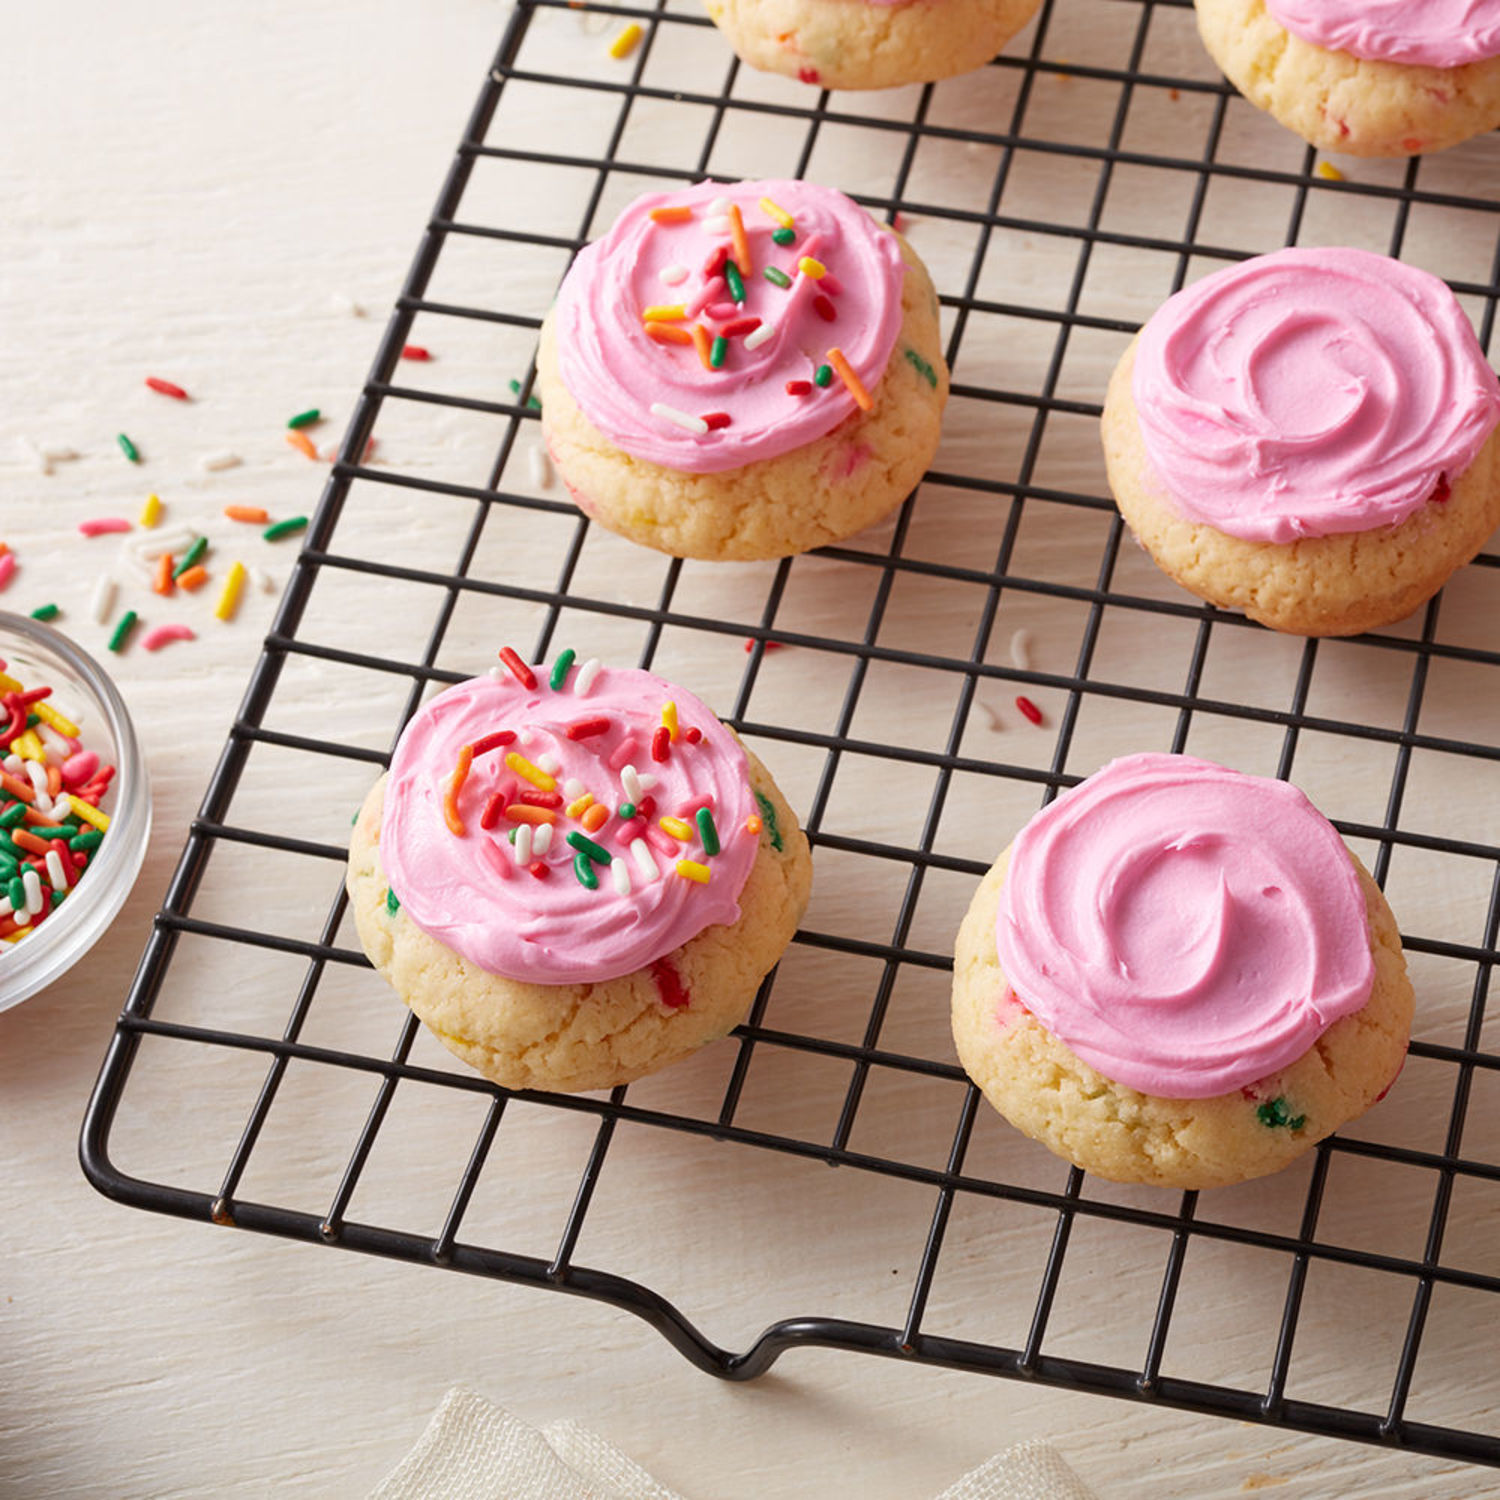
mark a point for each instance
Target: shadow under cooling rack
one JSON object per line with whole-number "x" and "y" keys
{"x": 262, "y": 1077}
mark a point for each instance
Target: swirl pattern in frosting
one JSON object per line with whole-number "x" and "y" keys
{"x": 1186, "y": 929}
{"x": 1311, "y": 392}
{"x": 467, "y": 869}
{"x": 1431, "y": 33}
{"x": 683, "y": 357}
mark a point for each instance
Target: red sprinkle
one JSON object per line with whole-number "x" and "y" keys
{"x": 493, "y": 741}
{"x": 809, "y": 75}
{"x": 715, "y": 262}
{"x": 1030, "y": 709}
{"x": 692, "y": 734}
{"x": 539, "y": 799}
{"x": 660, "y": 741}
{"x": 492, "y": 810}
{"x": 715, "y": 420}
{"x": 518, "y": 668}
{"x": 734, "y": 329}
{"x": 669, "y": 985}
{"x": 415, "y": 351}
{"x": 824, "y": 308}
{"x": 769, "y": 645}
{"x": 586, "y": 728}
{"x": 538, "y": 867}
{"x": 646, "y": 808}
{"x": 166, "y": 388}
{"x": 798, "y": 387}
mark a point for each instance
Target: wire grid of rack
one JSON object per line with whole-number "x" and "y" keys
{"x": 915, "y": 614}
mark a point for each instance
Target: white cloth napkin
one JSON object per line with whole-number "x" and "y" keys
{"x": 475, "y": 1450}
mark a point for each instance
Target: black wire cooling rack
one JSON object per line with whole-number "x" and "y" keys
{"x": 1058, "y": 196}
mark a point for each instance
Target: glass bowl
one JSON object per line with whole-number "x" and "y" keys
{"x": 82, "y": 691}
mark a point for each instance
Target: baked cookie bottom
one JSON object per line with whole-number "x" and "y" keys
{"x": 852, "y": 44}
{"x": 1053, "y": 1096}
{"x": 1329, "y": 585}
{"x": 1339, "y": 102}
{"x": 821, "y": 492}
{"x": 571, "y": 1037}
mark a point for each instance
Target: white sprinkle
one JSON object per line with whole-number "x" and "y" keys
{"x": 584, "y": 678}
{"x": 1020, "y": 650}
{"x": 990, "y": 714}
{"x": 59, "y": 455}
{"x": 33, "y": 883}
{"x": 647, "y": 781}
{"x": 212, "y": 463}
{"x": 678, "y": 418}
{"x": 619, "y": 872}
{"x": 541, "y": 840}
{"x": 573, "y": 789}
{"x": 718, "y": 224}
{"x": 154, "y": 543}
{"x": 263, "y": 580}
{"x": 104, "y": 598}
{"x": 719, "y": 205}
{"x": 547, "y": 763}
{"x": 23, "y": 918}
{"x": 15, "y": 765}
{"x": 496, "y": 673}
{"x": 523, "y": 844}
{"x": 55, "y": 871}
{"x": 38, "y": 777}
{"x": 541, "y": 467}
{"x": 757, "y": 336}
{"x": 645, "y": 859}
{"x": 347, "y": 305}
{"x": 631, "y": 781}
{"x": 5, "y": 907}
{"x": 672, "y": 275}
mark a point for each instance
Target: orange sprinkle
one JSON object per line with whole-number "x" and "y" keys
{"x": 677, "y": 215}
{"x": 251, "y": 513}
{"x": 668, "y": 333}
{"x": 194, "y": 578}
{"x": 455, "y": 786}
{"x": 524, "y": 812}
{"x": 22, "y": 789}
{"x": 162, "y": 582}
{"x": 595, "y": 818}
{"x": 29, "y": 841}
{"x": 752, "y": 824}
{"x": 741, "y": 241}
{"x": 54, "y": 780}
{"x": 701, "y": 344}
{"x": 302, "y": 443}
{"x": 845, "y": 372}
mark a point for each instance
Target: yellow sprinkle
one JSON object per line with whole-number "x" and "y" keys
{"x": 777, "y": 212}
{"x": 673, "y": 314}
{"x": 1329, "y": 172}
{"x": 28, "y": 746}
{"x": 16, "y": 937}
{"x": 54, "y": 720}
{"x": 581, "y": 806}
{"x": 234, "y": 586}
{"x": 534, "y": 774}
{"x": 677, "y": 828}
{"x": 10, "y": 685}
{"x": 814, "y": 270}
{"x": 669, "y": 718}
{"x": 627, "y": 41}
{"x": 88, "y": 812}
{"x": 151, "y": 511}
{"x": 691, "y": 870}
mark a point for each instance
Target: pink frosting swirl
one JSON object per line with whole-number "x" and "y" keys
{"x": 1185, "y": 929}
{"x": 535, "y": 920}
{"x": 1434, "y": 33}
{"x": 1311, "y": 392}
{"x": 637, "y": 390}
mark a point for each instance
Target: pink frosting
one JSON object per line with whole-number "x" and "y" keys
{"x": 1185, "y": 929}
{"x": 1436, "y": 33}
{"x": 617, "y": 373}
{"x": 470, "y": 893}
{"x": 1311, "y": 392}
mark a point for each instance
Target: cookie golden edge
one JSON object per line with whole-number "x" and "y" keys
{"x": 569, "y": 1038}
{"x": 853, "y": 44}
{"x": 1339, "y": 102}
{"x": 820, "y": 493}
{"x": 1330, "y": 585}
{"x": 1050, "y": 1094}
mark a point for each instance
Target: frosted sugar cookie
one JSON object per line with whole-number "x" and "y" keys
{"x": 742, "y": 371}
{"x": 869, "y": 44}
{"x": 1309, "y": 437}
{"x": 1177, "y": 974}
{"x": 574, "y": 876}
{"x": 1392, "y": 78}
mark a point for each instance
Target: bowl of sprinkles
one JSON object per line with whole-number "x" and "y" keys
{"x": 75, "y": 805}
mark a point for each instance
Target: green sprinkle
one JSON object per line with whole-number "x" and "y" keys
{"x": 784, "y": 236}
{"x": 191, "y": 557}
{"x": 534, "y": 402}
{"x": 585, "y": 872}
{"x": 922, "y": 368}
{"x": 9, "y": 847}
{"x": 777, "y": 277}
{"x": 768, "y": 817}
{"x": 8, "y": 867}
{"x": 707, "y": 832}
{"x": 45, "y": 612}
{"x": 735, "y": 281}
{"x": 16, "y": 890}
{"x": 392, "y": 903}
{"x": 305, "y": 418}
{"x": 12, "y": 815}
{"x": 122, "y": 630}
{"x": 589, "y": 849}
{"x": 128, "y": 448}
{"x": 515, "y": 390}
{"x": 823, "y": 375}
{"x": 290, "y": 527}
{"x": 1273, "y": 1115}
{"x": 626, "y": 810}
{"x": 560, "y": 669}
{"x": 716, "y": 352}
{"x": 84, "y": 842}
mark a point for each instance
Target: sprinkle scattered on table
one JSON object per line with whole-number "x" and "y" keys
{"x": 128, "y": 448}
{"x": 214, "y": 463}
{"x": 1030, "y": 709}
{"x": 301, "y": 442}
{"x": 416, "y": 352}
{"x": 305, "y": 418}
{"x": 1020, "y": 650}
{"x": 1329, "y": 172}
{"x": 626, "y": 42}
{"x": 166, "y": 388}
{"x": 151, "y": 511}
{"x": 45, "y": 612}
{"x": 290, "y": 527}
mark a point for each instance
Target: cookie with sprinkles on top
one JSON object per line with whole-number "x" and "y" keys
{"x": 575, "y": 875}
{"x": 742, "y": 370}
{"x": 1178, "y": 974}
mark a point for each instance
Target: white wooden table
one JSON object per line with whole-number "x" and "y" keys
{"x": 199, "y": 192}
